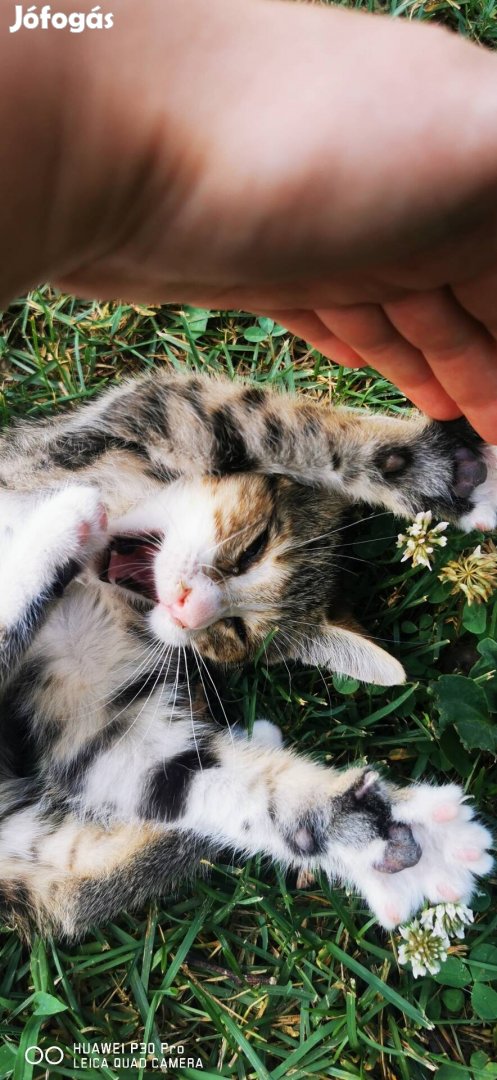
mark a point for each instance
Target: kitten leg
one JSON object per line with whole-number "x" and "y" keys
{"x": 262, "y": 799}
{"x": 43, "y": 542}
{"x": 166, "y": 427}
{"x": 404, "y": 463}
{"x": 62, "y": 877}
{"x": 397, "y": 848}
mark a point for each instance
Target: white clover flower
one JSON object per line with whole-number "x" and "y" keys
{"x": 424, "y": 948}
{"x": 421, "y": 538}
{"x": 427, "y": 939}
{"x": 448, "y": 919}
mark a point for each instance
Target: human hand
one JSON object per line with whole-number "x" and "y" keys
{"x": 334, "y": 169}
{"x": 437, "y": 345}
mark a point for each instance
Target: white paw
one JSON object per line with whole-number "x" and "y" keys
{"x": 483, "y": 514}
{"x": 454, "y": 853}
{"x": 264, "y": 733}
{"x": 56, "y": 531}
{"x": 72, "y": 524}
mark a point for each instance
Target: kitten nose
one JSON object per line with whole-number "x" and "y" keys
{"x": 183, "y": 593}
{"x": 178, "y": 605}
{"x": 195, "y": 608}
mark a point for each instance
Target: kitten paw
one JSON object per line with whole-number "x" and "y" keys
{"x": 265, "y": 733}
{"x": 466, "y": 468}
{"x": 48, "y": 543}
{"x": 71, "y": 524}
{"x": 483, "y": 513}
{"x": 454, "y": 852}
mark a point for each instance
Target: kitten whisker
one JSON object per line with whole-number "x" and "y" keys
{"x": 155, "y": 540}
{"x": 105, "y": 701}
{"x": 338, "y": 529}
{"x": 199, "y": 659}
{"x": 152, "y": 653}
{"x": 187, "y": 675}
{"x": 130, "y": 727}
{"x": 316, "y": 667}
{"x": 174, "y": 686}
{"x": 275, "y": 643}
{"x": 244, "y": 528}
{"x": 369, "y": 540}
{"x": 160, "y": 695}
{"x": 209, "y": 566}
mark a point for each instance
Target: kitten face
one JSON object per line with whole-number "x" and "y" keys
{"x": 246, "y": 563}
{"x": 229, "y": 562}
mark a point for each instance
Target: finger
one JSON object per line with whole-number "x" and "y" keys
{"x": 479, "y": 298}
{"x": 459, "y": 350}
{"x": 366, "y": 328}
{"x": 308, "y": 325}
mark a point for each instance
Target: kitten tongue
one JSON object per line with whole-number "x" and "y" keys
{"x": 131, "y": 564}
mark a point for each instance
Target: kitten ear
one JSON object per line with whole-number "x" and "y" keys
{"x": 347, "y": 652}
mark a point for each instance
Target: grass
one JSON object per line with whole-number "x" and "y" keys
{"x": 255, "y": 976}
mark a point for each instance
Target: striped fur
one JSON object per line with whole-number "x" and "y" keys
{"x": 173, "y": 528}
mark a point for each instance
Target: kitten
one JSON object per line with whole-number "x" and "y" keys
{"x": 172, "y": 528}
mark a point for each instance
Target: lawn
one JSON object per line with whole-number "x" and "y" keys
{"x": 257, "y": 976}
{"x": 254, "y": 975}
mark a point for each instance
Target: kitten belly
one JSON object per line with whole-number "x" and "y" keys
{"x": 117, "y": 705}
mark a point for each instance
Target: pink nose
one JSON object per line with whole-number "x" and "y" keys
{"x": 177, "y": 608}
{"x": 193, "y": 610}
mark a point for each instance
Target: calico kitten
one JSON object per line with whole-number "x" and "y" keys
{"x": 168, "y": 530}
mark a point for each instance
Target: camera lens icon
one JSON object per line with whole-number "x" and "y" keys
{"x": 53, "y": 1055}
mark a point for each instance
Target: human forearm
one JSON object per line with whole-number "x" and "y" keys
{"x": 152, "y": 178}
{"x": 342, "y": 175}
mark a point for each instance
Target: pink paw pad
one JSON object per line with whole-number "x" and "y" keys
{"x": 448, "y": 893}
{"x": 84, "y": 531}
{"x": 468, "y": 854}
{"x": 85, "y": 528}
{"x": 392, "y": 914}
{"x": 445, "y": 812}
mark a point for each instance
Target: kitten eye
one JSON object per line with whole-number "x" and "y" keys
{"x": 254, "y": 550}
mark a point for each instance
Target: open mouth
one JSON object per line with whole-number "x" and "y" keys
{"x": 128, "y": 561}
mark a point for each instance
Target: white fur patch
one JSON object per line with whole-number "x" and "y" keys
{"x": 42, "y": 536}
